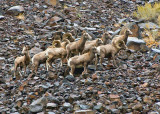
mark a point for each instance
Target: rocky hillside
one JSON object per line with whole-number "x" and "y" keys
{"x": 132, "y": 87}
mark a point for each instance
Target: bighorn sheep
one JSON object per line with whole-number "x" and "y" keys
{"x": 55, "y": 53}
{"x": 78, "y": 46}
{"x": 90, "y": 44}
{"x": 22, "y": 61}
{"x": 106, "y": 37}
{"x": 68, "y": 36}
{"x": 82, "y": 60}
{"x": 123, "y": 37}
{"x": 40, "y": 58}
{"x": 109, "y": 51}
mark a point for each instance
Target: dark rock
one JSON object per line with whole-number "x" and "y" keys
{"x": 70, "y": 78}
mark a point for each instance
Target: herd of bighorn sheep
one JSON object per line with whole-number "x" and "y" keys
{"x": 77, "y": 53}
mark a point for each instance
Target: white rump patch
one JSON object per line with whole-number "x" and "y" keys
{"x": 98, "y": 50}
{"x": 69, "y": 61}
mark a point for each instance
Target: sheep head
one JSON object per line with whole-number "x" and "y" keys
{"x": 128, "y": 31}
{"x": 25, "y": 50}
{"x": 106, "y": 35}
{"x": 86, "y": 35}
{"x": 56, "y": 43}
{"x": 99, "y": 42}
{"x": 68, "y": 36}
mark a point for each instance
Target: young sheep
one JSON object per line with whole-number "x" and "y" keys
{"x": 82, "y": 60}
{"x": 40, "y": 58}
{"x": 123, "y": 37}
{"x": 22, "y": 61}
{"x": 106, "y": 37}
{"x": 55, "y": 53}
{"x": 109, "y": 51}
{"x": 78, "y": 46}
{"x": 90, "y": 44}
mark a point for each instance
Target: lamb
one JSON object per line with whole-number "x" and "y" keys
{"x": 123, "y": 37}
{"x": 55, "y": 53}
{"x": 40, "y": 58}
{"x": 109, "y": 51}
{"x": 82, "y": 60}
{"x": 78, "y": 46}
{"x": 22, "y": 61}
{"x": 90, "y": 44}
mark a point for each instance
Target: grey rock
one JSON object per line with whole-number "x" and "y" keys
{"x": 51, "y": 105}
{"x": 84, "y": 107}
{"x": 150, "y": 25}
{"x": 15, "y": 10}
{"x": 70, "y": 78}
{"x": 67, "y": 105}
{"x": 157, "y": 106}
{"x": 36, "y": 108}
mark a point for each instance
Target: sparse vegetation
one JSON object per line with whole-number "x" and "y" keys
{"x": 148, "y": 12}
{"x": 151, "y": 13}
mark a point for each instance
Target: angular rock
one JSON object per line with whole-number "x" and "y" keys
{"x": 15, "y": 10}
{"x": 51, "y": 105}
{"x": 70, "y": 78}
{"x": 138, "y": 107}
{"x": 136, "y": 44}
{"x": 149, "y": 25}
{"x": 84, "y": 112}
{"x": 2, "y": 17}
{"x": 36, "y": 108}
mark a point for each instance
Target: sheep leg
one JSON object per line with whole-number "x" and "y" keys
{"x": 24, "y": 69}
{"x": 15, "y": 69}
{"x": 96, "y": 61}
{"x": 114, "y": 61}
{"x": 72, "y": 70}
{"x": 68, "y": 54}
{"x": 101, "y": 59}
{"x": 85, "y": 68}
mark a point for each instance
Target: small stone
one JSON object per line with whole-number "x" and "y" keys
{"x": 94, "y": 77}
{"x": 2, "y": 17}
{"x": 51, "y": 105}
{"x": 84, "y": 112}
{"x": 99, "y": 107}
{"x": 70, "y": 78}
{"x": 36, "y": 108}
{"x": 84, "y": 107}
{"x": 66, "y": 105}
{"x": 114, "y": 97}
{"x": 157, "y": 106}
{"x": 145, "y": 85}
{"x": 147, "y": 99}
{"x": 138, "y": 107}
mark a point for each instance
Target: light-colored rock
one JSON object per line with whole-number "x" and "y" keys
{"x": 15, "y": 10}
